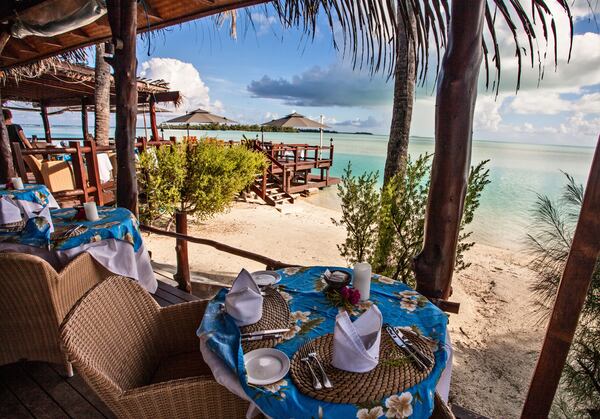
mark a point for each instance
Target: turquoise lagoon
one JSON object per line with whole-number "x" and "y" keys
{"x": 517, "y": 171}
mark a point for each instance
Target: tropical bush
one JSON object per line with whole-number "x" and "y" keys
{"x": 201, "y": 179}
{"x": 550, "y": 238}
{"x": 386, "y": 227}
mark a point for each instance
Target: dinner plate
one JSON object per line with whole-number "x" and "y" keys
{"x": 264, "y": 278}
{"x": 266, "y": 366}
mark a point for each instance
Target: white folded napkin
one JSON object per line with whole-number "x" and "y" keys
{"x": 45, "y": 213}
{"x": 9, "y": 211}
{"x": 244, "y": 301}
{"x": 356, "y": 345}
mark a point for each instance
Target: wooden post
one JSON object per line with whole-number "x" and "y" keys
{"x": 183, "y": 264}
{"x": 122, "y": 16}
{"x": 91, "y": 160}
{"x": 84, "y": 120}
{"x": 7, "y": 169}
{"x": 455, "y": 104}
{"x": 153, "y": 126}
{"x": 46, "y": 123}
{"x": 572, "y": 292}
{"x": 79, "y": 170}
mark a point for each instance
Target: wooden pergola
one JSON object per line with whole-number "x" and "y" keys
{"x": 67, "y": 85}
{"x": 456, "y": 97}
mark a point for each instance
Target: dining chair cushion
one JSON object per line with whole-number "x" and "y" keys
{"x": 58, "y": 176}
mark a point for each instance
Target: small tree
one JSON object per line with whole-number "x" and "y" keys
{"x": 387, "y": 228}
{"x": 200, "y": 180}
{"x": 550, "y": 240}
{"x": 360, "y": 207}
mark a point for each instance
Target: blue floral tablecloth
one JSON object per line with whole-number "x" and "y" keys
{"x": 38, "y": 194}
{"x": 114, "y": 223}
{"x": 315, "y": 316}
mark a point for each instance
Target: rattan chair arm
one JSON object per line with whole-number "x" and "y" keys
{"x": 81, "y": 274}
{"x": 178, "y": 324}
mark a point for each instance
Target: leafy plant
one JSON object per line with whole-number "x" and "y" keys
{"x": 200, "y": 179}
{"x": 387, "y": 228}
{"x": 549, "y": 243}
{"x": 360, "y": 207}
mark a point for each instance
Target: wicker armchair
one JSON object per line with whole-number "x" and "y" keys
{"x": 143, "y": 360}
{"x": 34, "y": 300}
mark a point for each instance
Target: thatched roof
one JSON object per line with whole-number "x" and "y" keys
{"x": 152, "y": 15}
{"x": 64, "y": 84}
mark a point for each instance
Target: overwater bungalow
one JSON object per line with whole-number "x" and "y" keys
{"x": 87, "y": 329}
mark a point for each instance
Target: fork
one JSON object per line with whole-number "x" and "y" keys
{"x": 306, "y": 359}
{"x": 313, "y": 355}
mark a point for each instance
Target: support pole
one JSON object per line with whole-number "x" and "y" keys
{"x": 181, "y": 247}
{"x": 122, "y": 16}
{"x": 455, "y": 104}
{"x": 153, "y": 125}
{"x": 7, "y": 169}
{"x": 572, "y": 292}
{"x": 84, "y": 120}
{"x": 46, "y": 123}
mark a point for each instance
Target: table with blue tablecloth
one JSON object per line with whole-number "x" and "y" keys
{"x": 114, "y": 241}
{"x": 32, "y": 197}
{"x": 313, "y": 316}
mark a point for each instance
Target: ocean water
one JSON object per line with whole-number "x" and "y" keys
{"x": 517, "y": 172}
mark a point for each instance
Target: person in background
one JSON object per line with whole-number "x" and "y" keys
{"x": 15, "y": 132}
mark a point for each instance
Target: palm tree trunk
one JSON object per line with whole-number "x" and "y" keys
{"x": 404, "y": 95}
{"x": 102, "y": 97}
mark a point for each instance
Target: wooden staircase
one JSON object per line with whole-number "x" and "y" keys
{"x": 274, "y": 193}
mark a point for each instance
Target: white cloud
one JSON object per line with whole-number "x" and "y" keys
{"x": 262, "y": 23}
{"x": 183, "y": 77}
{"x": 487, "y": 113}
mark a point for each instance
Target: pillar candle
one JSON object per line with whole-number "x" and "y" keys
{"x": 362, "y": 280}
{"x": 91, "y": 211}
{"x": 17, "y": 183}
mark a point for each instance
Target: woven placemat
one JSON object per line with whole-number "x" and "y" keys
{"x": 59, "y": 233}
{"x": 276, "y": 315}
{"x": 12, "y": 227}
{"x": 394, "y": 373}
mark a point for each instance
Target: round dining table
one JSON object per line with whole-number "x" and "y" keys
{"x": 114, "y": 241}
{"x": 313, "y": 315}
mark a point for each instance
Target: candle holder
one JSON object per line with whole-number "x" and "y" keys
{"x": 337, "y": 280}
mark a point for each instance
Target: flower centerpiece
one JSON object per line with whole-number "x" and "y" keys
{"x": 345, "y": 297}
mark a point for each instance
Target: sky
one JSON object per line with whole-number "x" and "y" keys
{"x": 268, "y": 72}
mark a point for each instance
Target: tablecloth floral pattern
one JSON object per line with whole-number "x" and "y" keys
{"x": 38, "y": 194}
{"x": 114, "y": 223}
{"x": 313, "y": 315}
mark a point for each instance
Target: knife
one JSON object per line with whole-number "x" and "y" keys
{"x": 424, "y": 358}
{"x": 259, "y": 337}
{"x": 265, "y": 332}
{"x": 390, "y": 331}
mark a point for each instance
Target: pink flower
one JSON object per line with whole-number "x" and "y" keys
{"x": 354, "y": 296}
{"x": 345, "y": 293}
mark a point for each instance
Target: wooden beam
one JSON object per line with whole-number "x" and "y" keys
{"x": 153, "y": 126}
{"x": 455, "y": 105}
{"x": 572, "y": 292}
{"x": 4, "y": 37}
{"x": 122, "y": 16}
{"x": 7, "y": 169}
{"x": 84, "y": 119}
{"x": 46, "y": 123}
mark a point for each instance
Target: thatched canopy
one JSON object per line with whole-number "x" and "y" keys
{"x": 152, "y": 15}
{"x": 67, "y": 84}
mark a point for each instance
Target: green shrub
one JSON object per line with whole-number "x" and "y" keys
{"x": 386, "y": 227}
{"x": 200, "y": 180}
{"x": 550, "y": 240}
{"x": 360, "y": 206}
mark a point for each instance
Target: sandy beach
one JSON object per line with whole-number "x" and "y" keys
{"x": 495, "y": 337}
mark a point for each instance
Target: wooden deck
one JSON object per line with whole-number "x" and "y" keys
{"x": 40, "y": 390}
